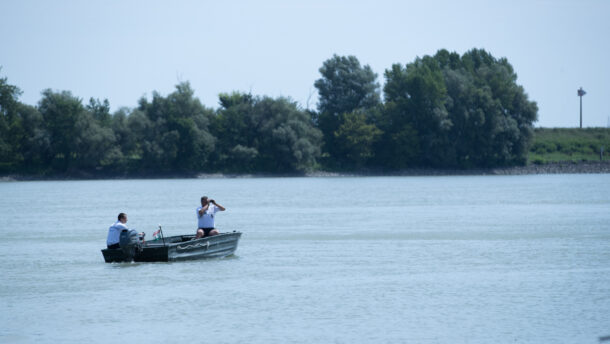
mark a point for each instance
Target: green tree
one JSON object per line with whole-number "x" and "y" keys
{"x": 355, "y": 139}
{"x": 290, "y": 142}
{"x": 492, "y": 115}
{"x": 124, "y": 156}
{"x": 95, "y": 142}
{"x": 61, "y": 111}
{"x": 264, "y": 135}
{"x": 415, "y": 97}
{"x": 77, "y": 141}
{"x": 11, "y": 127}
{"x": 345, "y": 87}
{"x": 35, "y": 141}
{"x": 175, "y": 133}
{"x": 100, "y": 111}
{"x": 398, "y": 147}
{"x": 465, "y": 111}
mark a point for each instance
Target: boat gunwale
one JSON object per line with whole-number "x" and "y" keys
{"x": 160, "y": 243}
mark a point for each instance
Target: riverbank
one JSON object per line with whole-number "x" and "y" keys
{"x": 584, "y": 167}
{"x": 587, "y": 167}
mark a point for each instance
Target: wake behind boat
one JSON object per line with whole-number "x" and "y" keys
{"x": 175, "y": 248}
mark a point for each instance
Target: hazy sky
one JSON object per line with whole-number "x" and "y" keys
{"x": 122, "y": 50}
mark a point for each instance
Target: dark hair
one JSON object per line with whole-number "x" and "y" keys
{"x": 121, "y": 215}
{"x": 204, "y": 198}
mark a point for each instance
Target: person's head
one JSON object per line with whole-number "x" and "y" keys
{"x": 204, "y": 200}
{"x": 122, "y": 217}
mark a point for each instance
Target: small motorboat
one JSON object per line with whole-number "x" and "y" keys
{"x": 173, "y": 248}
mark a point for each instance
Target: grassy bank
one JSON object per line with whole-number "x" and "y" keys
{"x": 551, "y": 145}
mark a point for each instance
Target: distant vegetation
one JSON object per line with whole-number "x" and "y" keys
{"x": 441, "y": 111}
{"x": 562, "y": 144}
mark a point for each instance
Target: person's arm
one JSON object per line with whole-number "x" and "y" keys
{"x": 203, "y": 209}
{"x": 220, "y": 207}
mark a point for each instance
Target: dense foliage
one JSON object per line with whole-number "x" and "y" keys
{"x": 443, "y": 111}
{"x": 464, "y": 111}
{"x": 264, "y": 134}
{"x": 346, "y": 90}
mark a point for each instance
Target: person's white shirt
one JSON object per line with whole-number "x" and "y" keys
{"x": 114, "y": 233}
{"x": 206, "y": 220}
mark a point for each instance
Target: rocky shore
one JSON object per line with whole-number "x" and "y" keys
{"x": 551, "y": 168}
{"x": 558, "y": 168}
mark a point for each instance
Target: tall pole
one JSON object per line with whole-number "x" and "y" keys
{"x": 581, "y": 93}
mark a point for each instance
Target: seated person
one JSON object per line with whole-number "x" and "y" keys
{"x": 114, "y": 232}
{"x": 205, "y": 217}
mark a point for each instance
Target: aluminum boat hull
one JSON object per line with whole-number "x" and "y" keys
{"x": 179, "y": 247}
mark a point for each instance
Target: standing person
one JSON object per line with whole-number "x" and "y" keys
{"x": 114, "y": 232}
{"x": 205, "y": 217}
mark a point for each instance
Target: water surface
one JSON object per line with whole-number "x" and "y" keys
{"x": 468, "y": 259}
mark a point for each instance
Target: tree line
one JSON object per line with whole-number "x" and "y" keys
{"x": 441, "y": 111}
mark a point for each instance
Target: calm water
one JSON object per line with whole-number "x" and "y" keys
{"x": 481, "y": 259}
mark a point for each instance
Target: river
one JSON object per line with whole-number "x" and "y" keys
{"x": 448, "y": 259}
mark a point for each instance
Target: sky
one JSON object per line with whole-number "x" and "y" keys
{"x": 125, "y": 50}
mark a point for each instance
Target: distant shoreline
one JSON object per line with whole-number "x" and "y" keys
{"x": 588, "y": 167}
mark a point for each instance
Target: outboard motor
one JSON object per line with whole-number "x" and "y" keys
{"x": 129, "y": 242}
